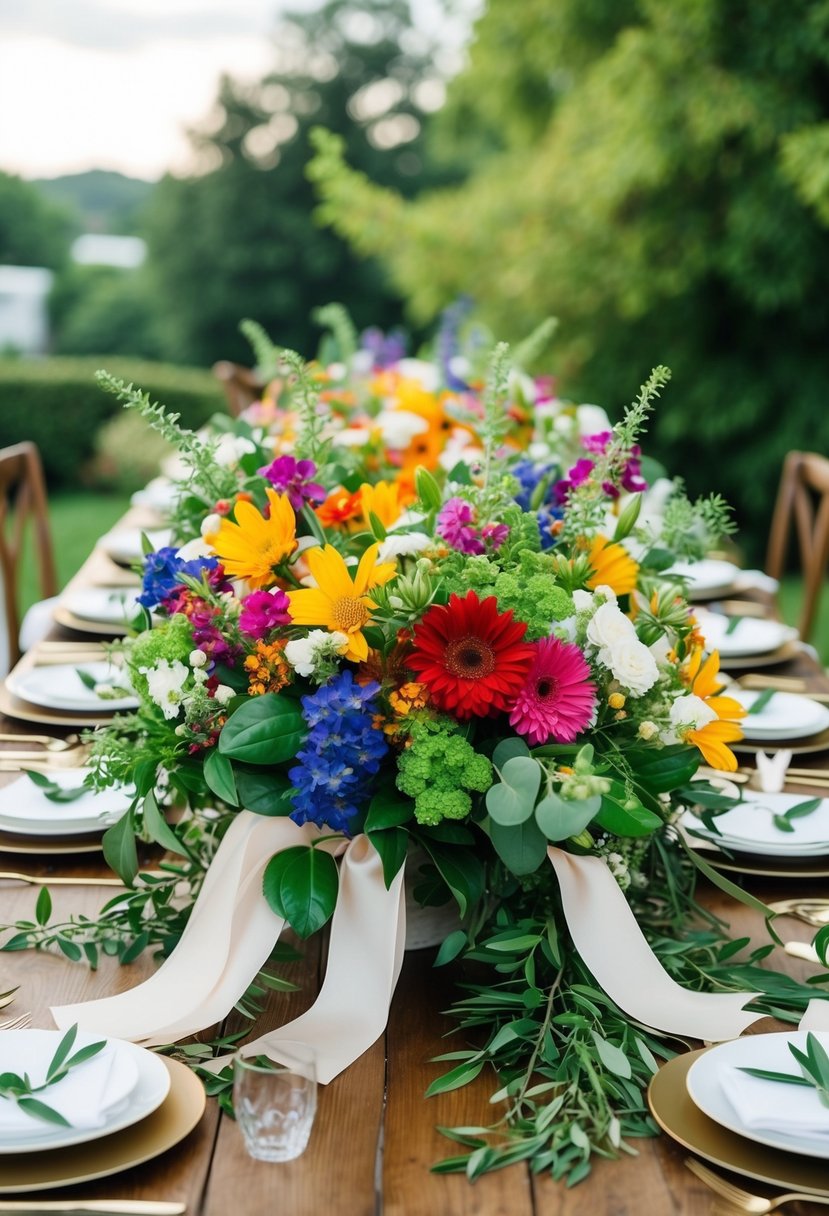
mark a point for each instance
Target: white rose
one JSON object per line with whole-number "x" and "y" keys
{"x": 660, "y": 648}
{"x": 632, "y": 664}
{"x": 583, "y": 600}
{"x": 608, "y": 629}
{"x": 402, "y": 544}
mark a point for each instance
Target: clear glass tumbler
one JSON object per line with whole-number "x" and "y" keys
{"x": 275, "y": 1103}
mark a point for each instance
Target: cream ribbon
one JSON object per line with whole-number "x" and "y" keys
{"x": 607, "y": 936}
{"x": 230, "y": 935}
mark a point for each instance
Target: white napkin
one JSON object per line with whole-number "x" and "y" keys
{"x": 88, "y": 1097}
{"x": 747, "y": 580}
{"x": 24, "y": 801}
{"x": 771, "y": 770}
{"x": 772, "y": 1106}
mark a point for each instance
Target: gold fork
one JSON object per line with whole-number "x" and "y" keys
{"x": 745, "y": 1201}
{"x": 49, "y": 743}
{"x": 18, "y": 1023}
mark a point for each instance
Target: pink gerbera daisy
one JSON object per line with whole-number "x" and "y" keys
{"x": 558, "y": 697}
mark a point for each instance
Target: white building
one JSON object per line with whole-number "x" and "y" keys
{"x": 97, "y": 249}
{"x": 24, "y": 317}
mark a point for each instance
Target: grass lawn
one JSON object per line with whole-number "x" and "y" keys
{"x": 79, "y": 518}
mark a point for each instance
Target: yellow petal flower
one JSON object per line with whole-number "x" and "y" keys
{"x": 251, "y": 546}
{"x": 612, "y": 566}
{"x": 338, "y": 602}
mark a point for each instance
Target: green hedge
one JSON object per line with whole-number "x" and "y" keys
{"x": 58, "y": 404}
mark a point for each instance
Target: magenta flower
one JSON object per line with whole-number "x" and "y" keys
{"x": 579, "y": 473}
{"x": 458, "y": 525}
{"x": 598, "y": 442}
{"x": 558, "y": 697}
{"x": 292, "y": 477}
{"x": 263, "y": 611}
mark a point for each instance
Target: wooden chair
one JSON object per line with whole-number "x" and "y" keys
{"x": 22, "y": 503}
{"x": 241, "y": 385}
{"x": 802, "y": 500}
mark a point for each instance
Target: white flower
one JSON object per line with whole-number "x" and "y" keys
{"x": 608, "y": 628}
{"x": 583, "y": 600}
{"x": 352, "y": 437}
{"x": 210, "y": 525}
{"x": 197, "y": 547}
{"x": 402, "y": 544}
{"x": 660, "y": 648}
{"x": 305, "y": 654}
{"x": 686, "y": 713}
{"x": 197, "y": 658}
{"x": 223, "y": 694}
{"x": 592, "y": 420}
{"x": 418, "y": 369}
{"x": 399, "y": 427}
{"x": 647, "y": 730}
{"x": 632, "y": 665}
{"x": 165, "y": 683}
{"x": 231, "y": 448}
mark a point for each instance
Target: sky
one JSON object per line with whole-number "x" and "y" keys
{"x": 114, "y": 84}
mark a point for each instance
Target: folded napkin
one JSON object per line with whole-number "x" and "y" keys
{"x": 88, "y": 1097}
{"x": 755, "y": 580}
{"x": 23, "y": 800}
{"x": 774, "y": 1107}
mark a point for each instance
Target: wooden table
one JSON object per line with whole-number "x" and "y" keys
{"x": 374, "y": 1138}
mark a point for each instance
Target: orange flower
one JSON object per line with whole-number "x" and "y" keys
{"x": 612, "y": 566}
{"x": 339, "y": 509}
{"x": 712, "y": 738}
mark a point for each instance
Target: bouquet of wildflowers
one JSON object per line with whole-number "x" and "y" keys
{"x": 431, "y": 602}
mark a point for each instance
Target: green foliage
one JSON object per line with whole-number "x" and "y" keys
{"x": 57, "y": 404}
{"x": 102, "y": 199}
{"x": 438, "y": 769}
{"x": 655, "y": 176}
{"x": 100, "y": 310}
{"x": 33, "y": 232}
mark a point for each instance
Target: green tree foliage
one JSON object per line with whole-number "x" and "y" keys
{"x": 33, "y": 232}
{"x": 104, "y": 200}
{"x": 240, "y": 239}
{"x": 658, "y": 178}
{"x": 102, "y": 310}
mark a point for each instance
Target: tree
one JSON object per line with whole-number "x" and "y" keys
{"x": 241, "y": 239}
{"x": 33, "y": 232}
{"x": 658, "y": 178}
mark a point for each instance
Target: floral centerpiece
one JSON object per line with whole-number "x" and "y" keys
{"x": 432, "y": 604}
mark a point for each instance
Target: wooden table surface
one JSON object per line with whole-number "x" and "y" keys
{"x": 374, "y": 1138}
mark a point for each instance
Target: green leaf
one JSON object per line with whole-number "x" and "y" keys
{"x": 392, "y": 845}
{"x": 759, "y": 704}
{"x": 85, "y": 1053}
{"x": 508, "y": 749}
{"x": 62, "y": 1052}
{"x": 307, "y": 887}
{"x": 41, "y": 1111}
{"x": 782, "y": 824}
{"x": 264, "y": 791}
{"x": 43, "y": 907}
{"x": 158, "y": 828}
{"x": 803, "y": 808}
{"x": 560, "y": 819}
{"x": 521, "y": 848}
{"x": 511, "y": 801}
{"x": 462, "y": 872}
{"x": 455, "y": 1078}
{"x": 661, "y": 770}
{"x": 623, "y": 816}
{"x": 767, "y": 1075}
{"x": 119, "y": 849}
{"x": 613, "y": 1058}
{"x": 450, "y": 948}
{"x": 218, "y": 773}
{"x": 264, "y": 730}
{"x": 388, "y": 809}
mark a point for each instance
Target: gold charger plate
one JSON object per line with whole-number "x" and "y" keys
{"x": 676, "y": 1114}
{"x": 106, "y": 629}
{"x": 783, "y": 654}
{"x": 178, "y": 1114}
{"x": 11, "y": 842}
{"x": 798, "y": 747}
{"x": 14, "y": 707}
{"x": 766, "y": 867}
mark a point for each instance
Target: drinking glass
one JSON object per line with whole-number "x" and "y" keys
{"x": 275, "y": 1103}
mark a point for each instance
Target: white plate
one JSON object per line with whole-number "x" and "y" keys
{"x": 124, "y": 545}
{"x": 26, "y": 811}
{"x": 786, "y": 716}
{"x": 109, "y": 605}
{"x": 767, "y": 1051}
{"x": 706, "y": 578}
{"x": 749, "y": 826}
{"x": 59, "y": 686}
{"x": 141, "y": 1085}
{"x": 160, "y": 495}
{"x": 750, "y": 636}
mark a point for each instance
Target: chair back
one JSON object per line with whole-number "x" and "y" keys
{"x": 802, "y": 502}
{"x": 22, "y": 502}
{"x": 241, "y": 385}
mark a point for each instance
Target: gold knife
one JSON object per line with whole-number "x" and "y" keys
{"x": 114, "y": 1207}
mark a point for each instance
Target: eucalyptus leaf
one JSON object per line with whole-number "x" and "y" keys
{"x": 522, "y": 848}
{"x": 511, "y": 801}
{"x": 560, "y": 819}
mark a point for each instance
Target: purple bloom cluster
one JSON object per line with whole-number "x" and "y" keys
{"x": 290, "y": 476}
{"x": 630, "y": 480}
{"x": 385, "y": 349}
{"x": 343, "y": 748}
{"x": 448, "y": 341}
{"x": 458, "y": 525}
{"x": 164, "y": 573}
{"x": 263, "y": 611}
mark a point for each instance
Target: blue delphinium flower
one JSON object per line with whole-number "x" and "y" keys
{"x": 342, "y": 749}
{"x": 164, "y": 571}
{"x": 529, "y": 475}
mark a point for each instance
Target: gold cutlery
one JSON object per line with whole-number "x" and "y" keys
{"x": 46, "y": 764}
{"x": 810, "y": 911}
{"x": 56, "y": 881}
{"x": 18, "y": 1023}
{"x": 745, "y": 1201}
{"x": 49, "y": 743}
{"x": 112, "y": 1207}
{"x": 783, "y": 684}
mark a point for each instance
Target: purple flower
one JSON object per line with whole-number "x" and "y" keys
{"x": 458, "y": 525}
{"x": 292, "y": 477}
{"x": 579, "y": 473}
{"x": 632, "y": 479}
{"x": 385, "y": 349}
{"x": 263, "y": 611}
{"x": 598, "y": 442}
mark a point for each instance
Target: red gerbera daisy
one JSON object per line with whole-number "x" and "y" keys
{"x": 470, "y": 656}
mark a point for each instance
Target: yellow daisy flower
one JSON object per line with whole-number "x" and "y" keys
{"x": 712, "y": 738}
{"x": 385, "y": 500}
{"x": 338, "y": 602}
{"x": 251, "y": 547}
{"x": 612, "y": 566}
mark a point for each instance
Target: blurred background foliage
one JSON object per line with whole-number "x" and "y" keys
{"x": 655, "y": 173}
